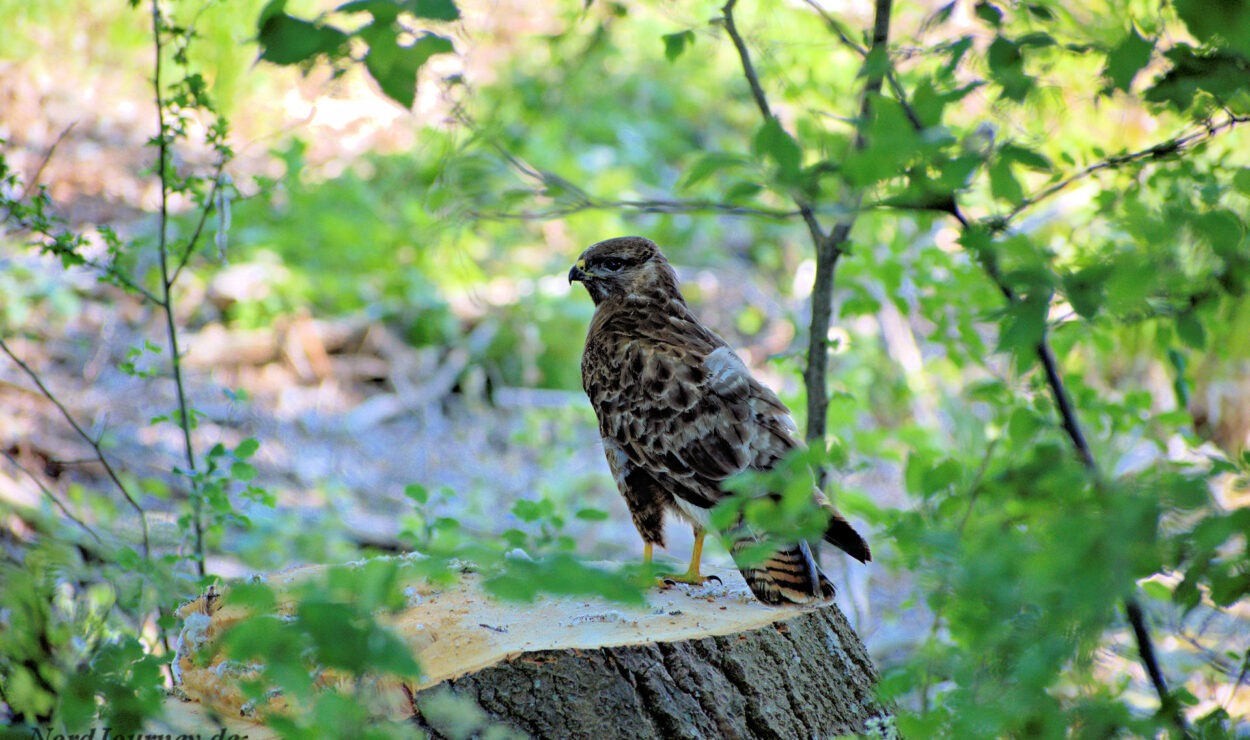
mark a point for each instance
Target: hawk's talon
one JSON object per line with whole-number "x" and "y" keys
{"x": 689, "y": 579}
{"x": 719, "y": 582}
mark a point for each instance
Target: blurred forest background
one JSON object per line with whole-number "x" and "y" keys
{"x": 356, "y": 220}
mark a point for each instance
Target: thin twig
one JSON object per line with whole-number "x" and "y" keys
{"x": 1145, "y": 648}
{"x": 125, "y": 281}
{"x": 645, "y": 206}
{"x": 167, "y": 306}
{"x": 51, "y": 496}
{"x": 899, "y": 93}
{"x": 1161, "y": 150}
{"x": 584, "y": 201}
{"x": 748, "y": 69}
{"x": 47, "y": 157}
{"x": 199, "y": 226}
{"x": 95, "y": 444}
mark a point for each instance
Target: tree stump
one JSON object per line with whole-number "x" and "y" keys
{"x": 707, "y": 662}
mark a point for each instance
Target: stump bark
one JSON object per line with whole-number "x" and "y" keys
{"x": 708, "y": 662}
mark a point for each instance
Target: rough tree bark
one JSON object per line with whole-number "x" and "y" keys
{"x": 695, "y": 663}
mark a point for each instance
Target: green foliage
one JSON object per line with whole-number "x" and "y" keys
{"x": 1096, "y": 170}
{"x": 392, "y": 61}
{"x": 327, "y": 632}
{"x": 67, "y": 656}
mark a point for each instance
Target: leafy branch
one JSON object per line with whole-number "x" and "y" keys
{"x": 831, "y": 245}
{"x": 184, "y": 420}
{"x": 1163, "y": 150}
{"x": 1045, "y": 354}
{"x": 1076, "y": 435}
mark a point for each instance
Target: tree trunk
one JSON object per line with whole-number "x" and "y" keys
{"x": 707, "y": 662}
{"x": 805, "y": 675}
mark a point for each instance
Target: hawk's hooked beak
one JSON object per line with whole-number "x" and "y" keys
{"x": 578, "y": 272}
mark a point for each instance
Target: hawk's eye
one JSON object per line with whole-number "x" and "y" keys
{"x": 612, "y": 264}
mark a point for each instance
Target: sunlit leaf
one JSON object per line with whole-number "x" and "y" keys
{"x": 395, "y": 67}
{"x": 1189, "y": 329}
{"x": 775, "y": 143}
{"x": 288, "y": 40}
{"x": 1218, "y": 22}
{"x": 709, "y": 164}
{"x": 1003, "y": 182}
{"x": 1127, "y": 59}
{"x": 676, "y": 43}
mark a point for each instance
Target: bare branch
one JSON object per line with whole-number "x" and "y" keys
{"x": 1145, "y": 649}
{"x": 646, "y": 206}
{"x": 748, "y": 69}
{"x": 51, "y": 496}
{"x": 95, "y": 444}
{"x": 43, "y": 164}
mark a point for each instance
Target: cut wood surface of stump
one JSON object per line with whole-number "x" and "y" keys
{"x": 706, "y": 662}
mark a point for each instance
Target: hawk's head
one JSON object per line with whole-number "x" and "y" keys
{"x": 626, "y": 268}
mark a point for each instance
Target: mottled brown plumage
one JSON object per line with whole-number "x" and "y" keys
{"x": 680, "y": 413}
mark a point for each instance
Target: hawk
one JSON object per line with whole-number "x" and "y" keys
{"x": 679, "y": 413}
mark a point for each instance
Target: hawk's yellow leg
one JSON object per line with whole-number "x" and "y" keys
{"x": 692, "y": 575}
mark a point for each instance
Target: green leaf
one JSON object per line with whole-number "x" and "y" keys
{"x": 1040, "y": 12}
{"x": 287, "y": 40}
{"x": 1007, "y": 68}
{"x": 676, "y": 43}
{"x": 1241, "y": 180}
{"x": 1219, "y": 23}
{"x": 708, "y": 165}
{"x": 1180, "y": 386}
{"x": 1023, "y": 325}
{"x": 1003, "y": 182}
{"x": 1127, "y": 59}
{"x": 395, "y": 67}
{"x": 256, "y": 597}
{"x": 1025, "y": 157}
{"x": 1036, "y": 40}
{"x": 242, "y": 471}
{"x": 592, "y": 515}
{"x": 741, "y": 191}
{"x": 531, "y": 511}
{"x": 1158, "y": 591}
{"x": 1189, "y": 329}
{"x": 775, "y": 143}
{"x": 1022, "y": 425}
{"x": 383, "y": 11}
{"x": 990, "y": 13}
{"x": 1221, "y": 74}
{"x": 434, "y": 10}
{"x": 1086, "y": 289}
{"x": 417, "y": 493}
{"x": 1222, "y": 229}
{"x": 246, "y": 448}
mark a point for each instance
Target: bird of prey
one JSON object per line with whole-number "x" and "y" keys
{"x": 679, "y": 413}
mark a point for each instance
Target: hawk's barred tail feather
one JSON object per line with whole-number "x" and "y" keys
{"x": 788, "y": 576}
{"x": 841, "y": 534}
